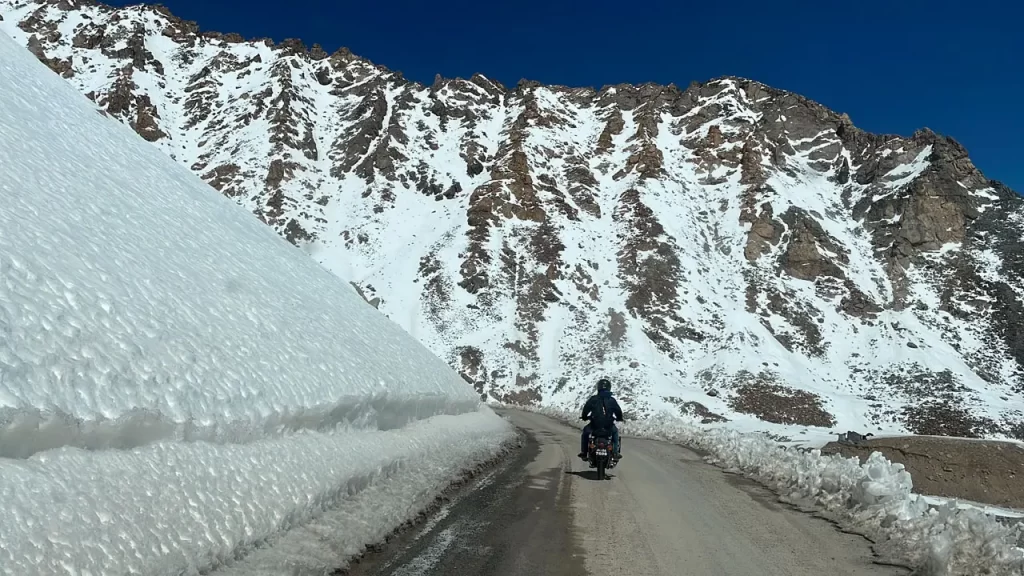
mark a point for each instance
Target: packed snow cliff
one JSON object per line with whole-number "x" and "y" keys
{"x": 729, "y": 251}
{"x": 180, "y": 389}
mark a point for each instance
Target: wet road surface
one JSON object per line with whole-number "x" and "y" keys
{"x": 663, "y": 511}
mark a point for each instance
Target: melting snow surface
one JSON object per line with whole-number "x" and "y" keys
{"x": 178, "y": 385}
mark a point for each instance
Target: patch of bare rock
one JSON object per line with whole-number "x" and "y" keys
{"x": 985, "y": 471}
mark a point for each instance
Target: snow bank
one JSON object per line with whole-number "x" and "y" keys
{"x": 171, "y": 506}
{"x": 131, "y": 290}
{"x": 875, "y": 498}
{"x": 178, "y": 385}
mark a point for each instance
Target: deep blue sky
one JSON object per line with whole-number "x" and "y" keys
{"x": 892, "y": 65}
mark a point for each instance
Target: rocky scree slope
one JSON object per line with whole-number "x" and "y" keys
{"x": 729, "y": 251}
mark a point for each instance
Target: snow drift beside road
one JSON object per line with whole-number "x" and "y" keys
{"x": 875, "y": 498}
{"x": 177, "y": 383}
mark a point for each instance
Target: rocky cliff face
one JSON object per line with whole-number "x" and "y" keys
{"x": 728, "y": 251}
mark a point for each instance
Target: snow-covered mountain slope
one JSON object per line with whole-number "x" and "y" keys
{"x": 725, "y": 251}
{"x": 178, "y": 384}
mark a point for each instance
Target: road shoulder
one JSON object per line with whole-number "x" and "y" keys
{"x": 508, "y": 521}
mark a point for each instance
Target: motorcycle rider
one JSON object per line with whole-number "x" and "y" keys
{"x": 602, "y": 410}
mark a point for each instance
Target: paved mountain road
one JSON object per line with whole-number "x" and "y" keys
{"x": 664, "y": 511}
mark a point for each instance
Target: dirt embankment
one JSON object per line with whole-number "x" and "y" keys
{"x": 984, "y": 471}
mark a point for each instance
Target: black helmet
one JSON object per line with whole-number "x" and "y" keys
{"x": 604, "y": 384}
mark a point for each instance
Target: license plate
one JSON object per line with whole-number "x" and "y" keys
{"x": 602, "y": 452}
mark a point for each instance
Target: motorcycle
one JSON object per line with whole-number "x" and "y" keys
{"x": 600, "y": 454}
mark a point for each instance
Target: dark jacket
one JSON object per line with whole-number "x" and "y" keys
{"x": 602, "y": 410}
